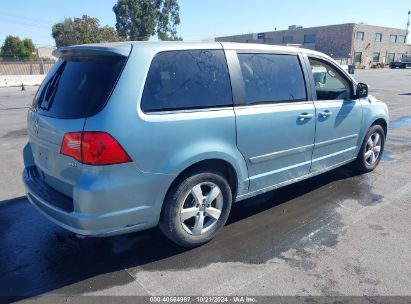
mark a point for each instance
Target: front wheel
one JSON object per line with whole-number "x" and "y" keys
{"x": 196, "y": 208}
{"x": 371, "y": 150}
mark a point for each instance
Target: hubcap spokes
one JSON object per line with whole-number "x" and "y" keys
{"x": 372, "y": 149}
{"x": 201, "y": 208}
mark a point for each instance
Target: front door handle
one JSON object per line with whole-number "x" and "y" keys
{"x": 304, "y": 116}
{"x": 326, "y": 113}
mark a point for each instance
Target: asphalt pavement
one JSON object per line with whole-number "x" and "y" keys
{"x": 336, "y": 234}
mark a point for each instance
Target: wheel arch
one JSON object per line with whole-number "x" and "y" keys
{"x": 221, "y": 165}
{"x": 379, "y": 120}
{"x": 383, "y": 123}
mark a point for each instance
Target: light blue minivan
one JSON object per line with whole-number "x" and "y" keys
{"x": 127, "y": 136}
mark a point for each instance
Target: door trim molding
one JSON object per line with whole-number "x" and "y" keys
{"x": 335, "y": 140}
{"x": 278, "y": 154}
{"x": 279, "y": 170}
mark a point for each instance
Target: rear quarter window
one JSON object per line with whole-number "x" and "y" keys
{"x": 78, "y": 87}
{"x": 189, "y": 79}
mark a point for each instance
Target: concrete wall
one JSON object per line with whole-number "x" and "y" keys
{"x": 18, "y": 80}
{"x": 335, "y": 40}
{"x": 46, "y": 52}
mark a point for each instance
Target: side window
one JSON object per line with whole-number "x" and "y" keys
{"x": 329, "y": 83}
{"x": 271, "y": 78}
{"x": 190, "y": 79}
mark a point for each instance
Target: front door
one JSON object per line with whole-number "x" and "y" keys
{"x": 338, "y": 116}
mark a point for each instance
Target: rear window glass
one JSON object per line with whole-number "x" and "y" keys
{"x": 271, "y": 78}
{"x": 187, "y": 80}
{"x": 78, "y": 87}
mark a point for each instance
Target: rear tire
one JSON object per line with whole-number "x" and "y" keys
{"x": 371, "y": 150}
{"x": 196, "y": 208}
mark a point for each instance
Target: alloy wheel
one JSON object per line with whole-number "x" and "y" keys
{"x": 372, "y": 149}
{"x": 201, "y": 208}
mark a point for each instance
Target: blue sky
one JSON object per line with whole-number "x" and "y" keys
{"x": 205, "y": 19}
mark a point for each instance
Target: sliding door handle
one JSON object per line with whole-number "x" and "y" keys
{"x": 304, "y": 116}
{"x": 326, "y": 113}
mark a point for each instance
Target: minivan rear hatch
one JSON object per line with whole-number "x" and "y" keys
{"x": 78, "y": 86}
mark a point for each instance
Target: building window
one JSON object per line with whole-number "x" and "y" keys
{"x": 357, "y": 57}
{"x": 393, "y": 38}
{"x": 360, "y": 36}
{"x": 375, "y": 57}
{"x": 309, "y": 38}
{"x": 391, "y": 57}
{"x": 378, "y": 37}
{"x": 288, "y": 39}
{"x": 401, "y": 39}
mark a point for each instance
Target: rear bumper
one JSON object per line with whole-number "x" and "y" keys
{"x": 62, "y": 210}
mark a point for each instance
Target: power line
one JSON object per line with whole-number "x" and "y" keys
{"x": 25, "y": 23}
{"x": 24, "y": 18}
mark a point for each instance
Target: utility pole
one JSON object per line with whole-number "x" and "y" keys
{"x": 408, "y": 26}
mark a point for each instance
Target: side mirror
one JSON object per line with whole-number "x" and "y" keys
{"x": 362, "y": 90}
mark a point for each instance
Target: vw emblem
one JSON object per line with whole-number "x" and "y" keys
{"x": 36, "y": 123}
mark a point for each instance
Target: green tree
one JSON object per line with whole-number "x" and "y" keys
{"x": 168, "y": 20}
{"x": 30, "y": 48}
{"x": 141, "y": 19}
{"x": 108, "y": 34}
{"x": 81, "y": 31}
{"x": 64, "y": 33}
{"x": 15, "y": 49}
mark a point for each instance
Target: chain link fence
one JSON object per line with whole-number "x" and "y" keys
{"x": 25, "y": 67}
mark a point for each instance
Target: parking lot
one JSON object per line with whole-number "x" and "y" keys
{"x": 335, "y": 234}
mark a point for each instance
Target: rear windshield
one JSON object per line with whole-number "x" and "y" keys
{"x": 78, "y": 87}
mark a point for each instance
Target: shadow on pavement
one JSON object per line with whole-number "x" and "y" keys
{"x": 37, "y": 256}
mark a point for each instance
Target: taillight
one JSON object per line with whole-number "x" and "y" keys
{"x": 94, "y": 148}
{"x": 100, "y": 148}
{"x": 71, "y": 145}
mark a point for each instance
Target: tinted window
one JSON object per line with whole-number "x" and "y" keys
{"x": 288, "y": 39}
{"x": 309, "y": 38}
{"x": 78, "y": 87}
{"x": 272, "y": 78}
{"x": 357, "y": 57}
{"x": 376, "y": 57}
{"x": 378, "y": 37}
{"x": 187, "y": 80}
{"x": 360, "y": 35}
{"x": 329, "y": 83}
{"x": 401, "y": 39}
